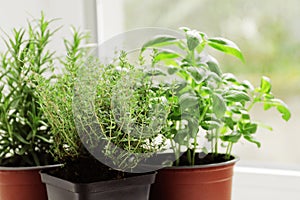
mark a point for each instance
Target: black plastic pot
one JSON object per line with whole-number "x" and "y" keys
{"x": 133, "y": 188}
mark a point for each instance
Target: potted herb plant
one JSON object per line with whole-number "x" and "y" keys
{"x": 208, "y": 107}
{"x": 66, "y": 104}
{"x": 25, "y": 139}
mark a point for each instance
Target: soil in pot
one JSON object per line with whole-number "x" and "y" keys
{"x": 209, "y": 179}
{"x": 204, "y": 159}
{"x": 87, "y": 170}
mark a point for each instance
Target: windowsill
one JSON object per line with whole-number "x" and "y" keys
{"x": 265, "y": 183}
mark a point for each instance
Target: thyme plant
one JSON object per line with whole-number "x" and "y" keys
{"x": 55, "y": 99}
{"x": 123, "y": 122}
{"x": 131, "y": 113}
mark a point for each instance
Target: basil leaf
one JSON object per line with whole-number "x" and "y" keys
{"x": 226, "y": 46}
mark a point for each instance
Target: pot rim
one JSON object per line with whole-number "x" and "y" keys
{"x": 97, "y": 186}
{"x": 229, "y": 162}
{"x": 29, "y": 168}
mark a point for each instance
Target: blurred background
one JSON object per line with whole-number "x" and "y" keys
{"x": 267, "y": 32}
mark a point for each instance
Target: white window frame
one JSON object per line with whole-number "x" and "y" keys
{"x": 115, "y": 24}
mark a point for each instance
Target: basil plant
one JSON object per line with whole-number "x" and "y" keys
{"x": 206, "y": 104}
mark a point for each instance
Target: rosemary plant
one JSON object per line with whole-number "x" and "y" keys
{"x": 24, "y": 133}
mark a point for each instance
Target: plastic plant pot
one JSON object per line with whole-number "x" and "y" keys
{"x": 207, "y": 182}
{"x": 133, "y": 188}
{"x": 22, "y": 183}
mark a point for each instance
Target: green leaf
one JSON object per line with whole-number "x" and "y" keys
{"x": 205, "y": 150}
{"x": 252, "y": 140}
{"x": 280, "y": 106}
{"x": 155, "y": 72}
{"x": 210, "y": 125}
{"x": 247, "y": 128}
{"x": 175, "y": 115}
{"x": 193, "y": 39}
{"x": 245, "y": 116}
{"x": 234, "y": 138}
{"x": 200, "y": 47}
{"x": 192, "y": 43}
{"x": 180, "y": 85}
{"x": 44, "y": 139}
{"x": 284, "y": 110}
{"x": 226, "y": 46}
{"x": 229, "y": 77}
{"x": 213, "y": 81}
{"x": 159, "y": 42}
{"x": 213, "y": 65}
{"x": 197, "y": 73}
{"x": 237, "y": 96}
{"x": 21, "y": 139}
{"x": 247, "y": 85}
{"x": 165, "y": 55}
{"x": 188, "y": 100}
{"x": 265, "y": 85}
{"x": 193, "y": 127}
{"x": 172, "y": 70}
{"x": 219, "y": 106}
{"x": 180, "y": 137}
{"x": 229, "y": 122}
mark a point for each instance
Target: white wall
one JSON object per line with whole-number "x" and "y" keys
{"x": 80, "y": 13}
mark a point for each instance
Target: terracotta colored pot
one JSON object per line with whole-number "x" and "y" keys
{"x": 22, "y": 183}
{"x": 203, "y": 182}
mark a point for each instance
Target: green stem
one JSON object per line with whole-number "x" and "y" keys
{"x": 229, "y": 150}
{"x": 189, "y": 156}
{"x": 216, "y": 146}
{"x": 178, "y": 155}
{"x": 212, "y": 145}
{"x": 175, "y": 151}
{"x": 194, "y": 150}
{"x": 204, "y": 112}
{"x": 216, "y": 136}
{"x": 255, "y": 100}
{"x": 251, "y": 106}
{"x": 192, "y": 56}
